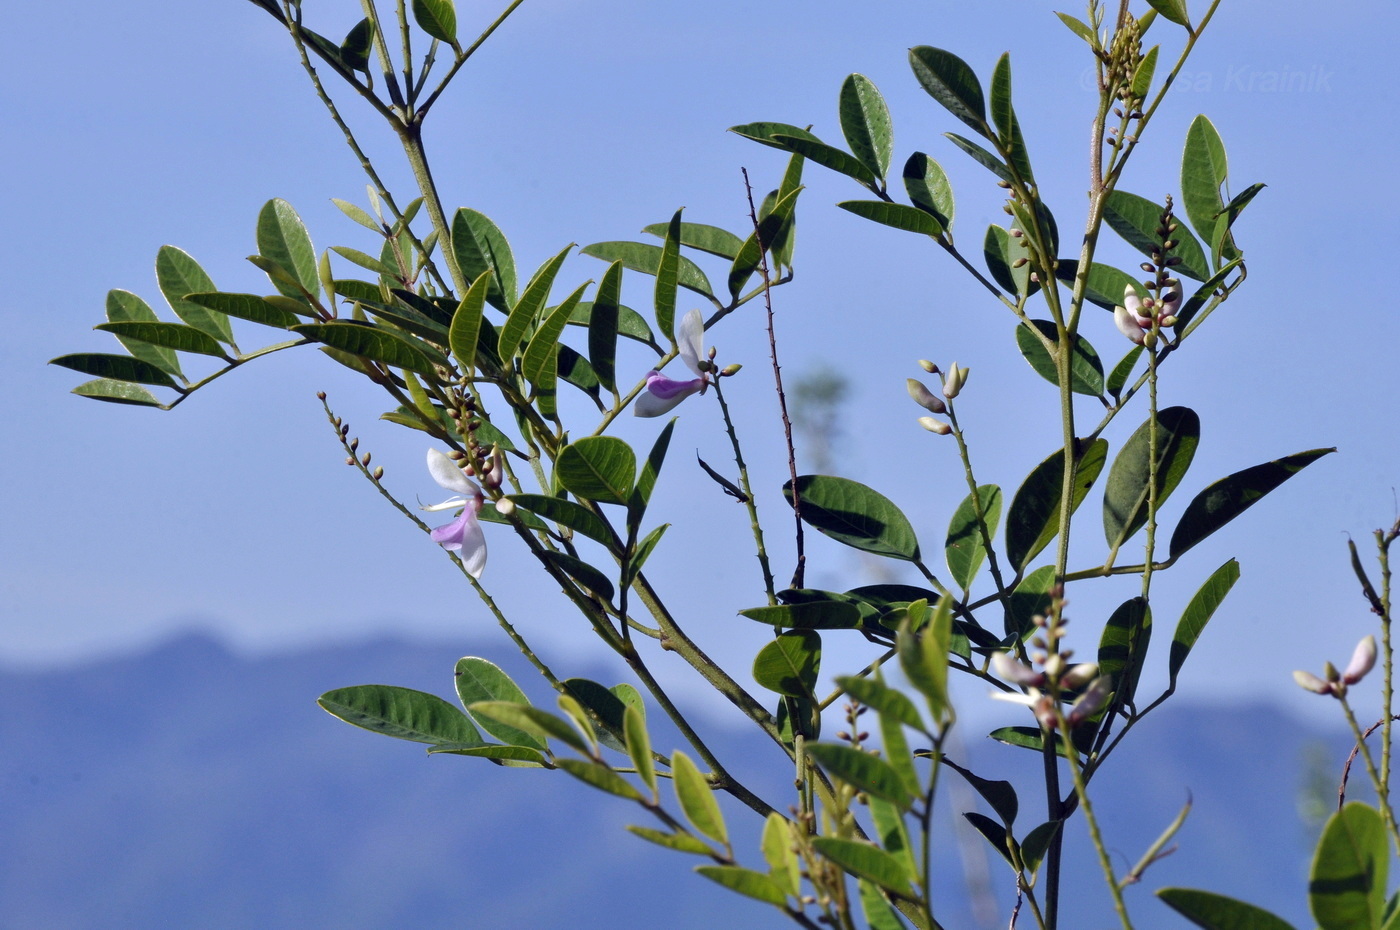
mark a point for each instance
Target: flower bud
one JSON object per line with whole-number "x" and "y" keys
{"x": 1079, "y": 675}
{"x": 928, "y": 366}
{"x": 935, "y": 426}
{"x": 1054, "y": 666}
{"x": 1310, "y": 682}
{"x": 505, "y": 506}
{"x": 1128, "y": 325}
{"x": 1008, "y": 668}
{"x": 495, "y": 469}
{"x": 730, "y": 371}
{"x": 924, "y": 397}
{"x": 1093, "y": 700}
{"x": 953, "y": 382}
{"x": 1329, "y": 672}
{"x": 1362, "y": 661}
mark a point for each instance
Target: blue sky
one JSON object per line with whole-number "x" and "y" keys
{"x": 152, "y": 124}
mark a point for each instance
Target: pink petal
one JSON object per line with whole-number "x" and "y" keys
{"x": 464, "y": 537}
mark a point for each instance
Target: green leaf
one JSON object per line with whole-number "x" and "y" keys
{"x": 1229, "y": 497}
{"x": 789, "y": 664}
{"x": 1001, "y": 795}
{"x": 895, "y": 747}
{"x": 696, "y": 798}
{"x": 368, "y": 262}
{"x": 1174, "y": 10}
{"x": 600, "y": 468}
{"x": 114, "y": 367}
{"x": 851, "y": 513}
{"x": 629, "y": 322}
{"x": 1026, "y": 738}
{"x": 667, "y": 274}
{"x": 1142, "y": 77}
{"x": 1346, "y": 888}
{"x": 1037, "y": 842}
{"x": 178, "y": 274}
{"x": 887, "y": 701}
{"x": 770, "y": 226}
{"x": 1196, "y": 301}
{"x": 521, "y": 319}
{"x": 1002, "y": 251}
{"x": 1123, "y": 646}
{"x": 603, "y": 327}
{"x": 1217, "y": 912}
{"x": 357, "y": 213}
{"x": 438, "y": 18}
{"x": 1122, "y": 371}
{"x": 1204, "y": 168}
{"x": 464, "y": 335}
{"x": 778, "y": 852}
{"x": 865, "y": 122}
{"x": 538, "y": 723}
{"x": 828, "y": 156}
{"x": 539, "y": 363}
{"x": 1034, "y": 518}
{"x": 586, "y": 575}
{"x": 1004, "y": 116}
{"x": 248, "y": 307}
{"x": 997, "y": 834}
{"x": 816, "y": 615}
{"x": 983, "y": 157}
{"x": 282, "y": 238}
{"x": 878, "y": 912}
{"x": 703, "y": 238}
{"x": 355, "y": 50}
{"x": 1079, "y": 28}
{"x": 371, "y": 342}
{"x": 601, "y": 777}
{"x": 1125, "y": 496}
{"x": 606, "y": 705}
{"x": 634, "y": 727}
{"x": 1030, "y": 597}
{"x": 117, "y": 392}
{"x": 923, "y": 655}
{"x": 681, "y": 842}
{"x": 929, "y": 189}
{"x": 480, "y": 246}
{"x": 1136, "y": 219}
{"x": 126, "y": 307}
{"x": 401, "y": 713}
{"x": 567, "y": 513}
{"x": 646, "y": 258}
{"x": 949, "y": 80}
{"x": 863, "y": 771}
{"x": 480, "y": 680}
{"x": 746, "y": 882}
{"x": 964, "y": 548}
{"x": 522, "y": 755}
{"x": 1086, "y": 370}
{"x": 866, "y": 861}
{"x": 1105, "y": 284}
{"x": 168, "y": 335}
{"x": 784, "y": 241}
{"x": 910, "y": 219}
{"x": 640, "y": 497}
{"x": 1198, "y": 613}
{"x": 766, "y": 133}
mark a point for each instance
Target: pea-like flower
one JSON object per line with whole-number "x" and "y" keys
{"x": 1136, "y": 316}
{"x": 663, "y": 393}
{"x": 463, "y": 535}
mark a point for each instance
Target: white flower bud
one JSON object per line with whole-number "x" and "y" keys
{"x": 1310, "y": 682}
{"x": 953, "y": 382}
{"x": 1093, "y": 700}
{"x": 1362, "y": 661}
{"x": 1011, "y": 670}
{"x": 1127, "y": 324}
{"x": 1079, "y": 675}
{"x": 935, "y": 426}
{"x": 505, "y": 506}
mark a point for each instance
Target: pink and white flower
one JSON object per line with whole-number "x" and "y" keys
{"x": 463, "y": 535}
{"x": 663, "y": 393}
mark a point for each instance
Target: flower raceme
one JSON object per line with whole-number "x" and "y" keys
{"x": 1090, "y": 702}
{"x": 463, "y": 535}
{"x": 1135, "y": 318}
{"x": 663, "y": 393}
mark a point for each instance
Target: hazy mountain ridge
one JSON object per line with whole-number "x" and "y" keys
{"x": 190, "y": 787}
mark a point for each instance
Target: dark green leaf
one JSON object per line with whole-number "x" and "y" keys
{"x": 604, "y": 704}
{"x": 480, "y": 246}
{"x": 124, "y": 307}
{"x": 681, "y": 842}
{"x": 928, "y": 188}
{"x": 355, "y": 50}
{"x": 521, "y": 319}
{"x": 1105, "y": 284}
{"x": 1204, "y": 169}
{"x": 1123, "y": 646}
{"x": 704, "y": 238}
{"x": 464, "y": 335}
{"x": 522, "y": 755}
{"x": 642, "y": 552}
{"x": 865, "y": 122}
{"x": 1034, "y": 518}
{"x": 696, "y": 798}
{"x": 438, "y": 18}
{"x": 169, "y": 335}
{"x": 539, "y": 362}
{"x": 1125, "y": 497}
{"x": 750, "y": 254}
{"x": 1136, "y": 219}
{"x": 646, "y": 481}
{"x": 114, "y": 367}
{"x": 997, "y": 834}
{"x": 745, "y": 881}
{"x": 591, "y": 578}
{"x": 117, "y": 392}
{"x": 965, "y": 549}
{"x": 282, "y": 238}
{"x": 667, "y": 272}
{"x": 1347, "y": 885}
{"x": 851, "y": 513}
{"x": 1229, "y": 497}
{"x": 1196, "y": 301}
{"x": 1174, "y": 10}
{"x": 789, "y": 664}
{"x": 1002, "y": 251}
{"x": 371, "y": 342}
{"x": 646, "y": 258}
{"x": 1217, "y": 912}
{"x": 248, "y": 307}
{"x": 949, "y": 80}
{"x": 1198, "y": 613}
{"x": 538, "y": 723}
{"x": 567, "y": 513}
{"x": 983, "y": 157}
{"x": 600, "y": 468}
{"x": 817, "y": 615}
{"x": 910, "y": 219}
{"x": 866, "y": 861}
{"x": 784, "y": 241}
{"x": 603, "y": 327}
{"x": 630, "y": 323}
{"x": 178, "y": 274}
{"x": 1036, "y": 843}
{"x": 1004, "y": 116}
{"x": 480, "y": 680}
{"x": 401, "y": 713}
{"x": 766, "y": 133}
{"x": 863, "y": 771}
{"x": 1086, "y": 371}
{"x": 829, "y": 156}
{"x": 1122, "y": 371}
{"x": 1031, "y": 597}
{"x": 999, "y": 794}
{"x": 1027, "y": 738}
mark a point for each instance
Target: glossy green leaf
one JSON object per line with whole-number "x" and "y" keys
{"x": 1121, "y": 372}
{"x": 178, "y": 274}
{"x": 828, "y": 156}
{"x": 1004, "y": 117}
{"x": 401, "y": 713}
{"x": 1347, "y": 884}
{"x": 479, "y": 680}
{"x": 479, "y": 246}
{"x": 866, "y": 861}
{"x": 865, "y": 122}
{"x": 282, "y": 238}
{"x": 603, "y": 326}
{"x": 606, "y": 705}
{"x": 784, "y": 241}
{"x": 1136, "y": 219}
{"x": 886, "y": 701}
{"x": 964, "y": 549}
{"x": 949, "y": 80}
{"x": 680, "y": 842}
{"x": 538, "y": 723}
{"x": 750, "y": 255}
{"x": 766, "y": 133}
{"x": 117, "y": 392}
{"x": 928, "y": 188}
{"x": 114, "y": 367}
{"x": 355, "y": 50}
{"x": 1217, "y": 912}
{"x": 600, "y": 468}
{"x": 1001, "y": 795}
{"x": 438, "y": 18}
{"x": 1002, "y": 251}
{"x": 168, "y": 335}
{"x": 629, "y": 322}
{"x": 1037, "y": 843}
{"x": 698, "y": 236}
{"x": 1105, "y": 284}
{"x": 746, "y": 882}
{"x": 860, "y": 769}
{"x": 1034, "y": 518}
{"x": 983, "y": 157}
{"x": 464, "y": 335}
{"x": 126, "y": 307}
{"x": 1026, "y": 738}
{"x": 817, "y": 615}
{"x": 590, "y": 578}
{"x": 696, "y": 798}
{"x": 371, "y": 342}
{"x": 1229, "y": 497}
{"x": 600, "y": 777}
{"x": 539, "y": 362}
{"x": 995, "y": 833}
{"x": 249, "y": 307}
{"x": 1086, "y": 370}
{"x": 566, "y": 513}
{"x": 851, "y": 513}
{"x": 778, "y": 851}
{"x": 1198, "y": 613}
{"x": 640, "y": 497}
{"x": 1123, "y": 646}
{"x": 1030, "y": 597}
{"x": 634, "y": 727}
{"x": 789, "y": 664}
{"x": 1204, "y": 168}
{"x": 667, "y": 272}
{"x": 646, "y": 258}
{"x": 910, "y": 219}
{"x": 1125, "y": 497}
{"x": 521, "y": 319}
{"x": 1174, "y": 10}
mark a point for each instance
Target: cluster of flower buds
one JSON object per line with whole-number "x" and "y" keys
{"x": 1056, "y": 676}
{"x": 953, "y": 380}
{"x": 1139, "y": 317}
{"x": 1335, "y": 683}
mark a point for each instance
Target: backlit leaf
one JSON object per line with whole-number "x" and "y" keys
{"x": 402, "y": 713}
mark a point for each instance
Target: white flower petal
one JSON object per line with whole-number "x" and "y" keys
{"x": 690, "y": 338}
{"x": 473, "y": 551}
{"x": 446, "y": 473}
{"x": 1127, "y": 324}
{"x": 649, "y": 405}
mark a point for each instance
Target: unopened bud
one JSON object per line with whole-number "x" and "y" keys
{"x": 730, "y": 371}
{"x": 953, "y": 382}
{"x": 1329, "y": 672}
{"x": 355, "y": 444}
{"x": 1093, "y": 700}
{"x": 495, "y": 469}
{"x": 1080, "y": 675}
{"x": 935, "y": 426}
{"x": 1362, "y": 661}
{"x": 924, "y": 397}
{"x": 1168, "y": 320}
{"x": 1054, "y": 666}
{"x": 1009, "y": 669}
{"x": 505, "y": 506}
{"x": 378, "y": 472}
{"x": 928, "y": 366}
{"x": 1310, "y": 682}
{"x": 349, "y": 460}
{"x": 364, "y": 459}
{"x": 320, "y": 395}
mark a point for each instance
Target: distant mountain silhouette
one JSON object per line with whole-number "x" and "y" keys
{"x": 191, "y": 788}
